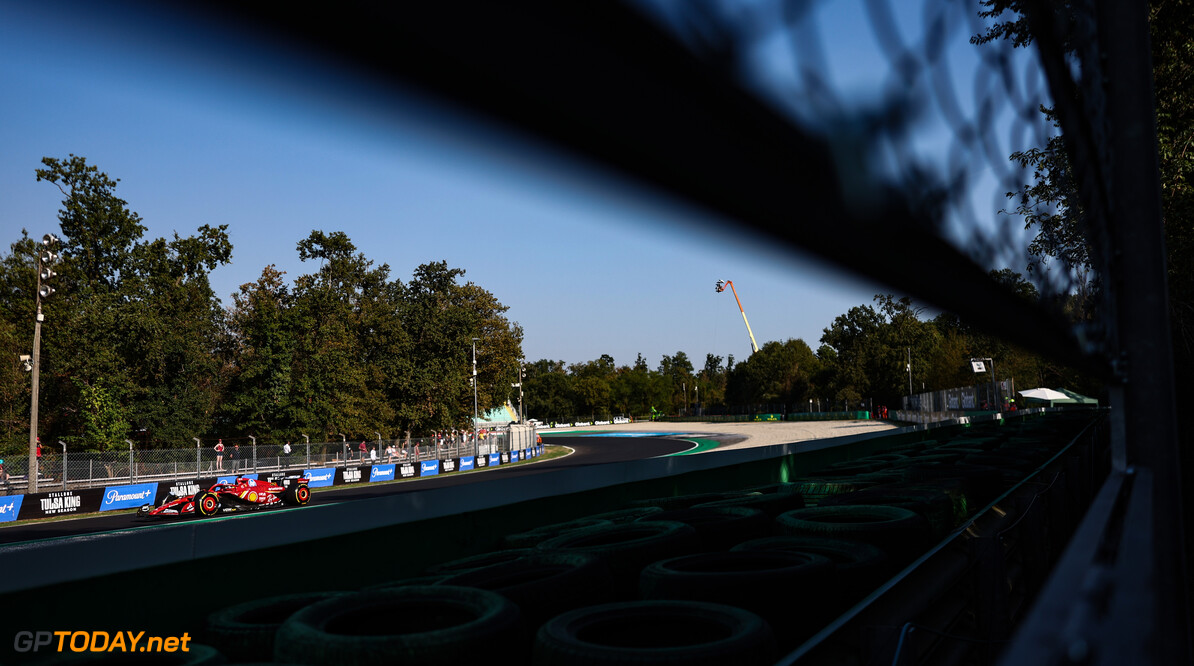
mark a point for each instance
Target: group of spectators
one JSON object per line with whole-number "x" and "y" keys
{"x": 365, "y": 452}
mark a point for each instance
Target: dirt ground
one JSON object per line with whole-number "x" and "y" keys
{"x": 752, "y": 433}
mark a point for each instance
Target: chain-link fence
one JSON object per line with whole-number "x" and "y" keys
{"x": 60, "y": 470}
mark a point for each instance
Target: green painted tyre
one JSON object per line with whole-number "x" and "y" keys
{"x": 530, "y": 538}
{"x": 627, "y": 548}
{"x": 480, "y": 561}
{"x": 693, "y": 633}
{"x": 901, "y": 533}
{"x": 761, "y": 581}
{"x": 544, "y": 584}
{"x": 425, "y": 625}
{"x": 245, "y": 632}
{"x": 720, "y": 527}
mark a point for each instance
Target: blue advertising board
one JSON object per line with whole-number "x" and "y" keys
{"x": 466, "y": 463}
{"x": 382, "y": 473}
{"x": 429, "y": 468}
{"x": 514, "y": 456}
{"x": 495, "y": 459}
{"x": 234, "y": 477}
{"x": 320, "y": 478}
{"x": 128, "y": 497}
{"x": 10, "y": 507}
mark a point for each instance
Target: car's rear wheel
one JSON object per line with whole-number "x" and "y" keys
{"x": 296, "y": 495}
{"x": 207, "y": 504}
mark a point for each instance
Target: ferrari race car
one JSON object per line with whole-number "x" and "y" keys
{"x": 243, "y": 494}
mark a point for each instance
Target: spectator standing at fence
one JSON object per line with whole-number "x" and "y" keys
{"x": 286, "y": 448}
{"x": 219, "y": 447}
{"x": 4, "y": 477}
{"x": 373, "y": 455}
{"x": 234, "y": 456}
{"x": 362, "y": 450}
{"x": 390, "y": 453}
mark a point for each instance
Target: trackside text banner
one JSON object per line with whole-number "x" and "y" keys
{"x": 10, "y": 507}
{"x": 381, "y": 473}
{"x": 320, "y": 478}
{"x": 128, "y": 497}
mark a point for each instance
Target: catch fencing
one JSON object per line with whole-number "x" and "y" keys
{"x": 69, "y": 470}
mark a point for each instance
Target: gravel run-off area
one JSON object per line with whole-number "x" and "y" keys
{"x": 748, "y": 434}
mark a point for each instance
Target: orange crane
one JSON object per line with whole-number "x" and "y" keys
{"x": 721, "y": 286}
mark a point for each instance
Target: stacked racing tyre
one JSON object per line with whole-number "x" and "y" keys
{"x": 544, "y": 584}
{"x": 776, "y": 585}
{"x": 418, "y": 625}
{"x": 627, "y": 548}
{"x": 694, "y": 633}
{"x": 900, "y": 533}
{"x": 246, "y": 631}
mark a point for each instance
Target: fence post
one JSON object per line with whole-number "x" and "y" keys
{"x": 63, "y": 445}
{"x": 308, "y": 440}
{"x": 132, "y": 473}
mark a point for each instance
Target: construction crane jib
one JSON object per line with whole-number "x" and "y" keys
{"x": 721, "y": 286}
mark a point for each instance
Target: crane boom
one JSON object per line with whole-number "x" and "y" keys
{"x": 721, "y": 286}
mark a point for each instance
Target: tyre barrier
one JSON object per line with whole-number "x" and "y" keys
{"x": 655, "y": 632}
{"x": 627, "y": 548}
{"x": 900, "y": 533}
{"x": 530, "y": 538}
{"x": 424, "y": 625}
{"x": 857, "y": 567}
{"x": 544, "y": 584}
{"x": 814, "y": 489}
{"x": 719, "y": 528}
{"x": 430, "y": 579}
{"x": 944, "y": 507}
{"x": 685, "y": 501}
{"x": 246, "y": 631}
{"x": 771, "y": 504}
{"x": 980, "y": 483}
{"x": 480, "y": 561}
{"x": 627, "y": 515}
{"x": 777, "y": 585}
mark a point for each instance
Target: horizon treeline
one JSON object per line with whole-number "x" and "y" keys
{"x": 136, "y": 346}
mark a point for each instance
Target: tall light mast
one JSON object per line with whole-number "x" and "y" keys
{"x": 721, "y": 286}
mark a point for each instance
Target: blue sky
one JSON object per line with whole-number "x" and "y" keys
{"x": 588, "y": 264}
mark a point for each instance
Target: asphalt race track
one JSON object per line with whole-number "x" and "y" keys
{"x": 589, "y": 450}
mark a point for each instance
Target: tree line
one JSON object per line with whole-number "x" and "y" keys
{"x": 137, "y": 346}
{"x": 862, "y": 359}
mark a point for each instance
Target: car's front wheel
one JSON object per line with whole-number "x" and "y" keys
{"x": 207, "y": 504}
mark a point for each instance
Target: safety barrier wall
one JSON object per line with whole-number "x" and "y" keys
{"x": 131, "y": 496}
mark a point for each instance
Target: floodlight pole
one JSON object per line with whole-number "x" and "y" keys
{"x": 721, "y": 286}
{"x": 45, "y": 258}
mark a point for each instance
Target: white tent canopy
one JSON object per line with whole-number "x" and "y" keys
{"x": 1044, "y": 394}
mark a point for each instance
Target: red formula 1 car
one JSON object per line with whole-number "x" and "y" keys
{"x": 244, "y": 494}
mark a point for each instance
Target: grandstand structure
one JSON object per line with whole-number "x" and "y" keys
{"x": 671, "y": 97}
